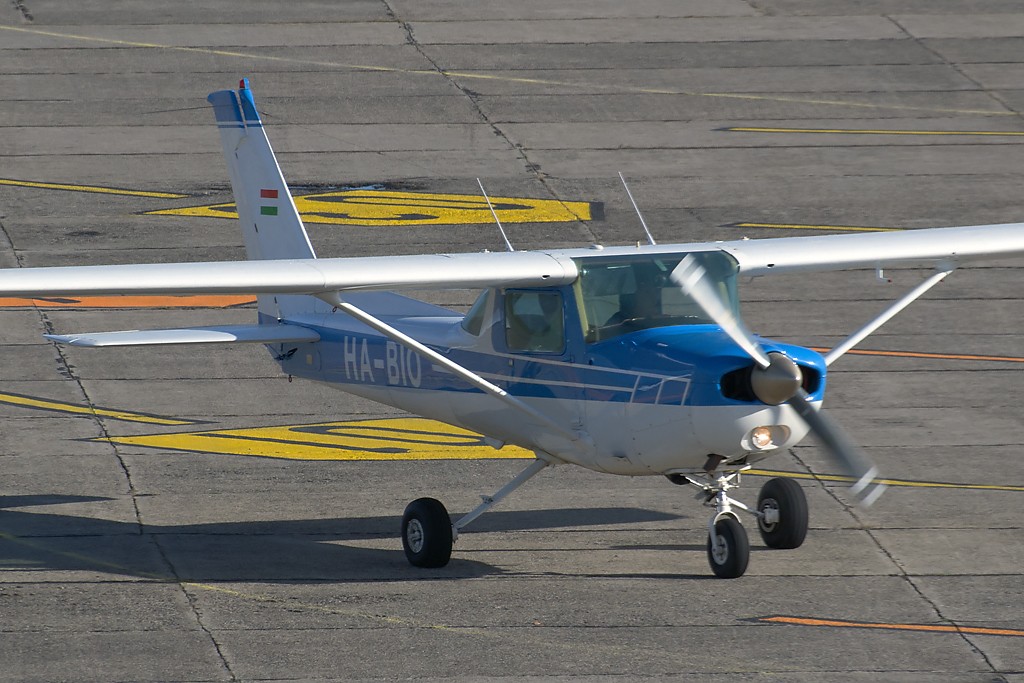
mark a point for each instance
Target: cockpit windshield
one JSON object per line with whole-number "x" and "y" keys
{"x": 621, "y": 294}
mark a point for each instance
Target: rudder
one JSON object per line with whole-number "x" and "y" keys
{"x": 271, "y": 226}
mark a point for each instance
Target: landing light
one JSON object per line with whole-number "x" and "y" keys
{"x": 761, "y": 438}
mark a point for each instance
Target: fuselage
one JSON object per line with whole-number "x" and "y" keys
{"x": 653, "y": 400}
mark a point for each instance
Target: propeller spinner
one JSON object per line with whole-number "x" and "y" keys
{"x": 777, "y": 380}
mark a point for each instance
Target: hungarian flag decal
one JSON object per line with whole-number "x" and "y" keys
{"x": 268, "y": 209}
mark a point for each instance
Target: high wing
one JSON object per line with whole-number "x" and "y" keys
{"x": 951, "y": 246}
{"x": 294, "y": 276}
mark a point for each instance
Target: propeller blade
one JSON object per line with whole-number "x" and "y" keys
{"x": 842, "y": 449}
{"x": 693, "y": 279}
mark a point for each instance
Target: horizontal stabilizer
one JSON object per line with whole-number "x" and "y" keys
{"x": 217, "y": 334}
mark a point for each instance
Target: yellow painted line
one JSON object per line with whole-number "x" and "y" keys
{"x": 90, "y": 188}
{"x": 930, "y": 628}
{"x": 76, "y": 409}
{"x": 185, "y": 301}
{"x": 798, "y": 226}
{"x": 919, "y": 354}
{"x": 250, "y": 57}
{"x": 385, "y": 439}
{"x": 872, "y": 131}
{"x": 381, "y": 207}
{"x": 889, "y": 482}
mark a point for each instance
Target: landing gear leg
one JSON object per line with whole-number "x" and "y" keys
{"x": 728, "y": 545}
{"x": 428, "y": 533}
{"x": 781, "y": 518}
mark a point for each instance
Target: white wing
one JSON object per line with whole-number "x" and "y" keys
{"x": 506, "y": 269}
{"x": 838, "y": 252}
{"x": 297, "y": 276}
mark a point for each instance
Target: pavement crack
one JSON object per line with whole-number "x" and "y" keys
{"x": 901, "y": 571}
{"x": 197, "y": 613}
{"x": 474, "y": 99}
{"x": 993, "y": 95}
{"x": 23, "y": 10}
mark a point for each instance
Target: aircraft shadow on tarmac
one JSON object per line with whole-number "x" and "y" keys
{"x": 278, "y": 551}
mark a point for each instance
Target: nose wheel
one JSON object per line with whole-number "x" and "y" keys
{"x": 781, "y": 518}
{"x": 728, "y": 549}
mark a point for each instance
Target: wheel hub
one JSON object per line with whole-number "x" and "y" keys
{"x": 720, "y": 550}
{"x": 769, "y": 516}
{"x": 414, "y": 535}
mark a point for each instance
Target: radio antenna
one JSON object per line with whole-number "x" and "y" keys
{"x": 495, "y": 214}
{"x": 636, "y": 208}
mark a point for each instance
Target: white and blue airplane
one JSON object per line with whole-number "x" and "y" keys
{"x": 627, "y": 360}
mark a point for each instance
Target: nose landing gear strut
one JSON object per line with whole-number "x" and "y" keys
{"x": 781, "y": 517}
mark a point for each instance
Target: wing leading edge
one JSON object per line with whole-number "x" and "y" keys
{"x": 838, "y": 252}
{"x": 295, "y": 276}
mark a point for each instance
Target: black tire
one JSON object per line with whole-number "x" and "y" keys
{"x": 729, "y": 560}
{"x": 787, "y": 497}
{"x": 427, "y": 533}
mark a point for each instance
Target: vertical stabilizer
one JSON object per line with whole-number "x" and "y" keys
{"x": 271, "y": 225}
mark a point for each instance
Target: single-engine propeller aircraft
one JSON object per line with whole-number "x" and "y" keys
{"x": 627, "y": 360}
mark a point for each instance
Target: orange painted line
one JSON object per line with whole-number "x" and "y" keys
{"x": 930, "y": 628}
{"x": 917, "y": 354}
{"x": 193, "y": 301}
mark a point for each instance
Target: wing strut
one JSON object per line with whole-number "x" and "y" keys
{"x": 884, "y": 317}
{"x": 490, "y": 501}
{"x": 334, "y": 299}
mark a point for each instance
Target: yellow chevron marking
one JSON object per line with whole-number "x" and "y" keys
{"x": 381, "y": 207}
{"x": 385, "y": 439}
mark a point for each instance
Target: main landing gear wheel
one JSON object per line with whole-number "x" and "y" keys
{"x": 783, "y": 513}
{"x": 427, "y": 533}
{"x": 729, "y": 551}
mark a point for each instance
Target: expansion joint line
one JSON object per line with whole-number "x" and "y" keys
{"x": 473, "y": 98}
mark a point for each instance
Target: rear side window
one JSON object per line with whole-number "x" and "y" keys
{"x": 534, "y": 321}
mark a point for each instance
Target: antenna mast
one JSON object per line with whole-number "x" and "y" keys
{"x": 650, "y": 239}
{"x": 495, "y": 214}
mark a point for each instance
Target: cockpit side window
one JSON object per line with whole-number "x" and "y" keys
{"x": 474, "y": 320}
{"x": 623, "y": 294}
{"x": 534, "y": 321}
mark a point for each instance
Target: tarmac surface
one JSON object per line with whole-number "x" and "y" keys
{"x": 136, "y": 559}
